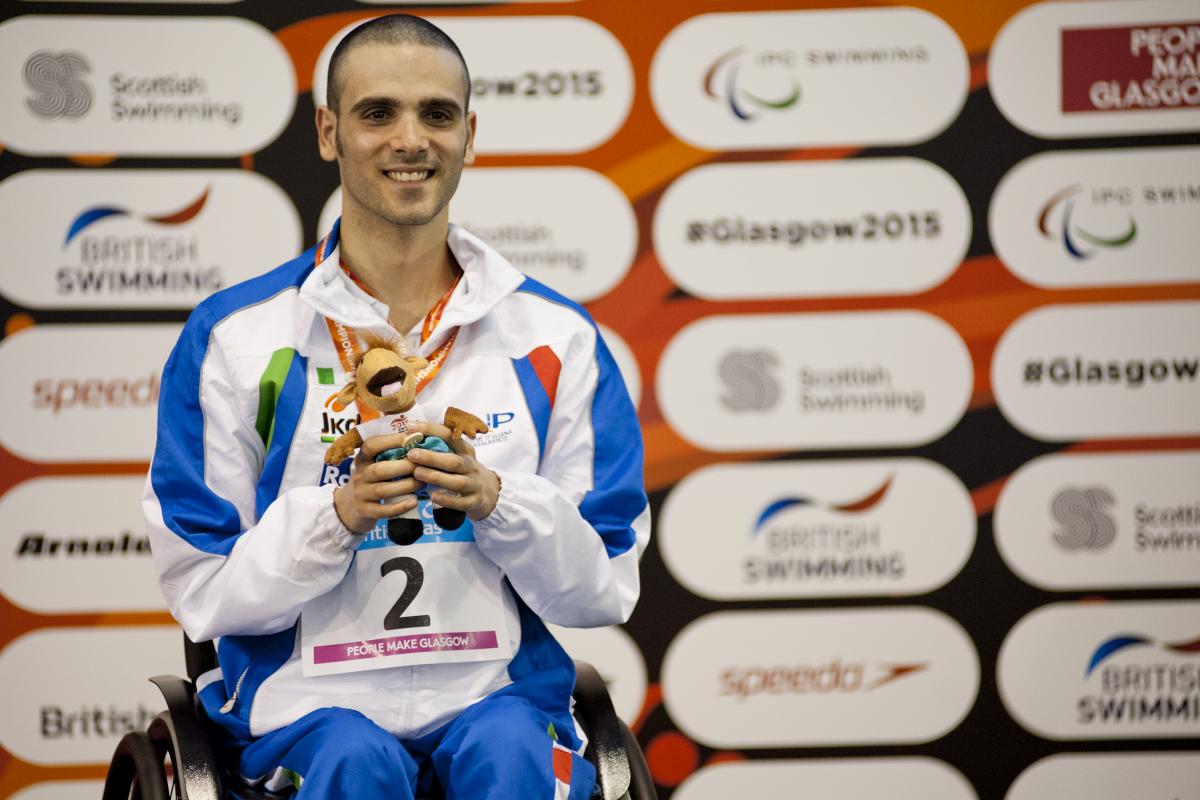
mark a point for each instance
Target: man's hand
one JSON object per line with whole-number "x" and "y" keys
{"x": 475, "y": 487}
{"x": 357, "y": 503}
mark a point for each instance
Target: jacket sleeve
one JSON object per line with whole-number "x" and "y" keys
{"x": 226, "y": 568}
{"x": 569, "y": 537}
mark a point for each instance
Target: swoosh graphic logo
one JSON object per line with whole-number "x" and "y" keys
{"x": 1110, "y": 647}
{"x": 733, "y": 92}
{"x": 1069, "y": 241}
{"x": 895, "y": 672}
{"x": 853, "y": 507}
{"x": 93, "y": 215}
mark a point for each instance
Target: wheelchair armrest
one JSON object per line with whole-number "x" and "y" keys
{"x": 181, "y": 728}
{"x": 606, "y": 746}
{"x": 641, "y": 784}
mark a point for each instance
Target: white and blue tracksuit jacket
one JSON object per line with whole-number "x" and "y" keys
{"x": 240, "y": 505}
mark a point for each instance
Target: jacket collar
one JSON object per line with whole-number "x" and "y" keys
{"x": 487, "y": 279}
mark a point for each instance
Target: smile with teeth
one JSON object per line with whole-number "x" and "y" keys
{"x": 408, "y": 176}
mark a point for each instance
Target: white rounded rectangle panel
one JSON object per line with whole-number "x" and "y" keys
{"x": 142, "y": 86}
{"x": 735, "y": 679}
{"x": 859, "y": 227}
{"x": 1110, "y": 776}
{"x": 92, "y": 688}
{"x": 77, "y": 545}
{"x": 1100, "y": 217}
{"x": 777, "y": 79}
{"x": 140, "y": 238}
{"x": 1105, "y": 371}
{"x": 61, "y": 790}
{"x": 845, "y": 778}
{"x": 1098, "y": 68}
{"x": 83, "y": 393}
{"x": 1103, "y": 521}
{"x": 1104, "y": 670}
{"x": 776, "y": 382}
{"x": 783, "y": 530}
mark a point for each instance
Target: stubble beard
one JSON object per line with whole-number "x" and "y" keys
{"x": 381, "y": 208}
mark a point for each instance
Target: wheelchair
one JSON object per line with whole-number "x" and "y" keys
{"x": 179, "y": 736}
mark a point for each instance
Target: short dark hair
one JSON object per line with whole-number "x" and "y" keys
{"x": 392, "y": 29}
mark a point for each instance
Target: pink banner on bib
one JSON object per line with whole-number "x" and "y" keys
{"x": 402, "y": 645}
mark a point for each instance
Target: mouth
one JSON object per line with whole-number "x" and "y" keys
{"x": 387, "y": 382}
{"x": 410, "y": 176}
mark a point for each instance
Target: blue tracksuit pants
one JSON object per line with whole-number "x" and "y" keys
{"x": 502, "y": 747}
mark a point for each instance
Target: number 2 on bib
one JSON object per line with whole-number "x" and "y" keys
{"x": 395, "y": 619}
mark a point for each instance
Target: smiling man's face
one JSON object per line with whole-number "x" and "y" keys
{"x": 401, "y": 134}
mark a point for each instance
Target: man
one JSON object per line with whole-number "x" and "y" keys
{"x": 351, "y": 666}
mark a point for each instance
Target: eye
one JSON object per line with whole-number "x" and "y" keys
{"x": 377, "y": 114}
{"x": 439, "y": 115}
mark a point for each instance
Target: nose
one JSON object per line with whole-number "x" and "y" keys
{"x": 408, "y": 135}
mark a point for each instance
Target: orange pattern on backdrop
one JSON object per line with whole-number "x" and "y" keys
{"x": 979, "y": 300}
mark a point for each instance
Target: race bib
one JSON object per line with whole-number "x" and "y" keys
{"x": 435, "y": 601}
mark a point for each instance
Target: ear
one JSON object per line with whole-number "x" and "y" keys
{"x": 346, "y": 396}
{"x": 469, "y": 153}
{"x": 327, "y": 133}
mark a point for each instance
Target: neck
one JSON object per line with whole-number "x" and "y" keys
{"x": 408, "y": 267}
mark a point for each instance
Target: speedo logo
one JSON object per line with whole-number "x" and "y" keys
{"x": 798, "y": 678}
{"x": 850, "y": 677}
{"x": 67, "y": 393}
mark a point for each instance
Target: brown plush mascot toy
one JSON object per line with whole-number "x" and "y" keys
{"x": 385, "y": 379}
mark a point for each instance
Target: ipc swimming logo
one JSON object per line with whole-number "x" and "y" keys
{"x": 732, "y": 75}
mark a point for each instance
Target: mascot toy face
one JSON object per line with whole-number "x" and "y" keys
{"x": 385, "y": 378}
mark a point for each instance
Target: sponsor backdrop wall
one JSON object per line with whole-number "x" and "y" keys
{"x": 907, "y": 295}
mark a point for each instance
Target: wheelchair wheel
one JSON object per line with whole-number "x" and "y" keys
{"x": 137, "y": 771}
{"x": 161, "y": 733}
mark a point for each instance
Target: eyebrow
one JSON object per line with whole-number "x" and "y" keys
{"x": 391, "y": 102}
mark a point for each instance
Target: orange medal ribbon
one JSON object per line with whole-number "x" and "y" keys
{"x": 345, "y": 342}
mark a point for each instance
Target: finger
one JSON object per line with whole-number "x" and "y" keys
{"x": 462, "y": 446}
{"x": 374, "y": 445}
{"x": 444, "y": 462}
{"x": 377, "y": 471}
{"x": 461, "y": 502}
{"x": 388, "y": 498}
{"x": 388, "y": 490}
{"x": 386, "y": 510}
{"x": 430, "y": 429}
{"x": 454, "y": 482}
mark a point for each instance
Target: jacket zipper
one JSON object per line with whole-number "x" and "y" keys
{"x": 237, "y": 688}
